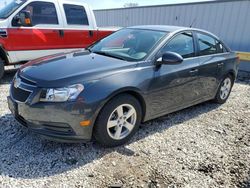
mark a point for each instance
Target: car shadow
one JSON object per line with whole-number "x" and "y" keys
{"x": 25, "y": 155}
{"x": 243, "y": 82}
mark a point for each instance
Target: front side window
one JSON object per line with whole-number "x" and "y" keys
{"x": 76, "y": 15}
{"x": 42, "y": 13}
{"x": 182, "y": 44}
{"x": 10, "y": 8}
{"x": 128, "y": 44}
{"x": 207, "y": 44}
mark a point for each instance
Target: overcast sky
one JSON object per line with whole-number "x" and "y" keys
{"x": 104, "y": 4}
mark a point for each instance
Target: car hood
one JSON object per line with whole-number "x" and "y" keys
{"x": 70, "y": 68}
{"x": 3, "y": 23}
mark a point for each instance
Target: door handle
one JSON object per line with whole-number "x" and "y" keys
{"x": 194, "y": 71}
{"x": 61, "y": 33}
{"x": 91, "y": 33}
{"x": 220, "y": 64}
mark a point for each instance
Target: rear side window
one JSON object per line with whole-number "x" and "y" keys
{"x": 182, "y": 44}
{"x": 75, "y": 15}
{"x": 42, "y": 13}
{"x": 220, "y": 48}
{"x": 207, "y": 44}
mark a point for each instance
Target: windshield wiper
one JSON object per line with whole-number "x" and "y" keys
{"x": 110, "y": 55}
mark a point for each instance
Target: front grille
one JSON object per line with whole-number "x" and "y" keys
{"x": 19, "y": 94}
{"x": 26, "y": 81}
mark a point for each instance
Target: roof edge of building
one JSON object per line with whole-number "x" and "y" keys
{"x": 174, "y": 4}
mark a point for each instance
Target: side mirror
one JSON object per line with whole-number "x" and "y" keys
{"x": 23, "y": 19}
{"x": 170, "y": 58}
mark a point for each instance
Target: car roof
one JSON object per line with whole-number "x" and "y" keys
{"x": 167, "y": 28}
{"x": 170, "y": 29}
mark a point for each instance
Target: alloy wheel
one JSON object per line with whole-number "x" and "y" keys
{"x": 225, "y": 88}
{"x": 121, "y": 121}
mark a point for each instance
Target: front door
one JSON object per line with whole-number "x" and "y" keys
{"x": 43, "y": 38}
{"x": 176, "y": 86}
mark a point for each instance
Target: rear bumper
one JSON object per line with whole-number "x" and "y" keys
{"x": 55, "y": 121}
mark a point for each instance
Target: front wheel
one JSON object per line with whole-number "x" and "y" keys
{"x": 224, "y": 90}
{"x": 118, "y": 121}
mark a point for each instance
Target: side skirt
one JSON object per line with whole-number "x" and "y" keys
{"x": 147, "y": 118}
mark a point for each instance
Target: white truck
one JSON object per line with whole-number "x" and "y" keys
{"x": 31, "y": 29}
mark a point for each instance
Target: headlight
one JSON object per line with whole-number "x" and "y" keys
{"x": 62, "y": 94}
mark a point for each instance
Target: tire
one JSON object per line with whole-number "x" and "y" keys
{"x": 1, "y": 68}
{"x": 114, "y": 127}
{"x": 224, "y": 90}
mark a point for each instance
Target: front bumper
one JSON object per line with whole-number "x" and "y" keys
{"x": 56, "y": 121}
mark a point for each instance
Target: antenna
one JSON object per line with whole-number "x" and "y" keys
{"x": 193, "y": 23}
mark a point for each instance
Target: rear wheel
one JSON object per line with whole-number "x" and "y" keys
{"x": 1, "y": 68}
{"x": 224, "y": 90}
{"x": 118, "y": 121}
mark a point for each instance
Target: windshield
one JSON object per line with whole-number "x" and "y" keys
{"x": 128, "y": 44}
{"x": 11, "y": 7}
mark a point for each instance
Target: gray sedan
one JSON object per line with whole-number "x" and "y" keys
{"x": 132, "y": 76}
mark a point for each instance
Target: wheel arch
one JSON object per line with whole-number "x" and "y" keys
{"x": 3, "y": 55}
{"x": 127, "y": 90}
{"x": 133, "y": 92}
{"x": 232, "y": 73}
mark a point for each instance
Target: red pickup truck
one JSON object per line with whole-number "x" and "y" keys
{"x": 31, "y": 29}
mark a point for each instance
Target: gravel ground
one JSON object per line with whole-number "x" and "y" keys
{"x": 204, "y": 146}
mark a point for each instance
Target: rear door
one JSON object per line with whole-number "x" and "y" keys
{"x": 32, "y": 42}
{"x": 212, "y": 56}
{"x": 176, "y": 86}
{"x": 80, "y": 28}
